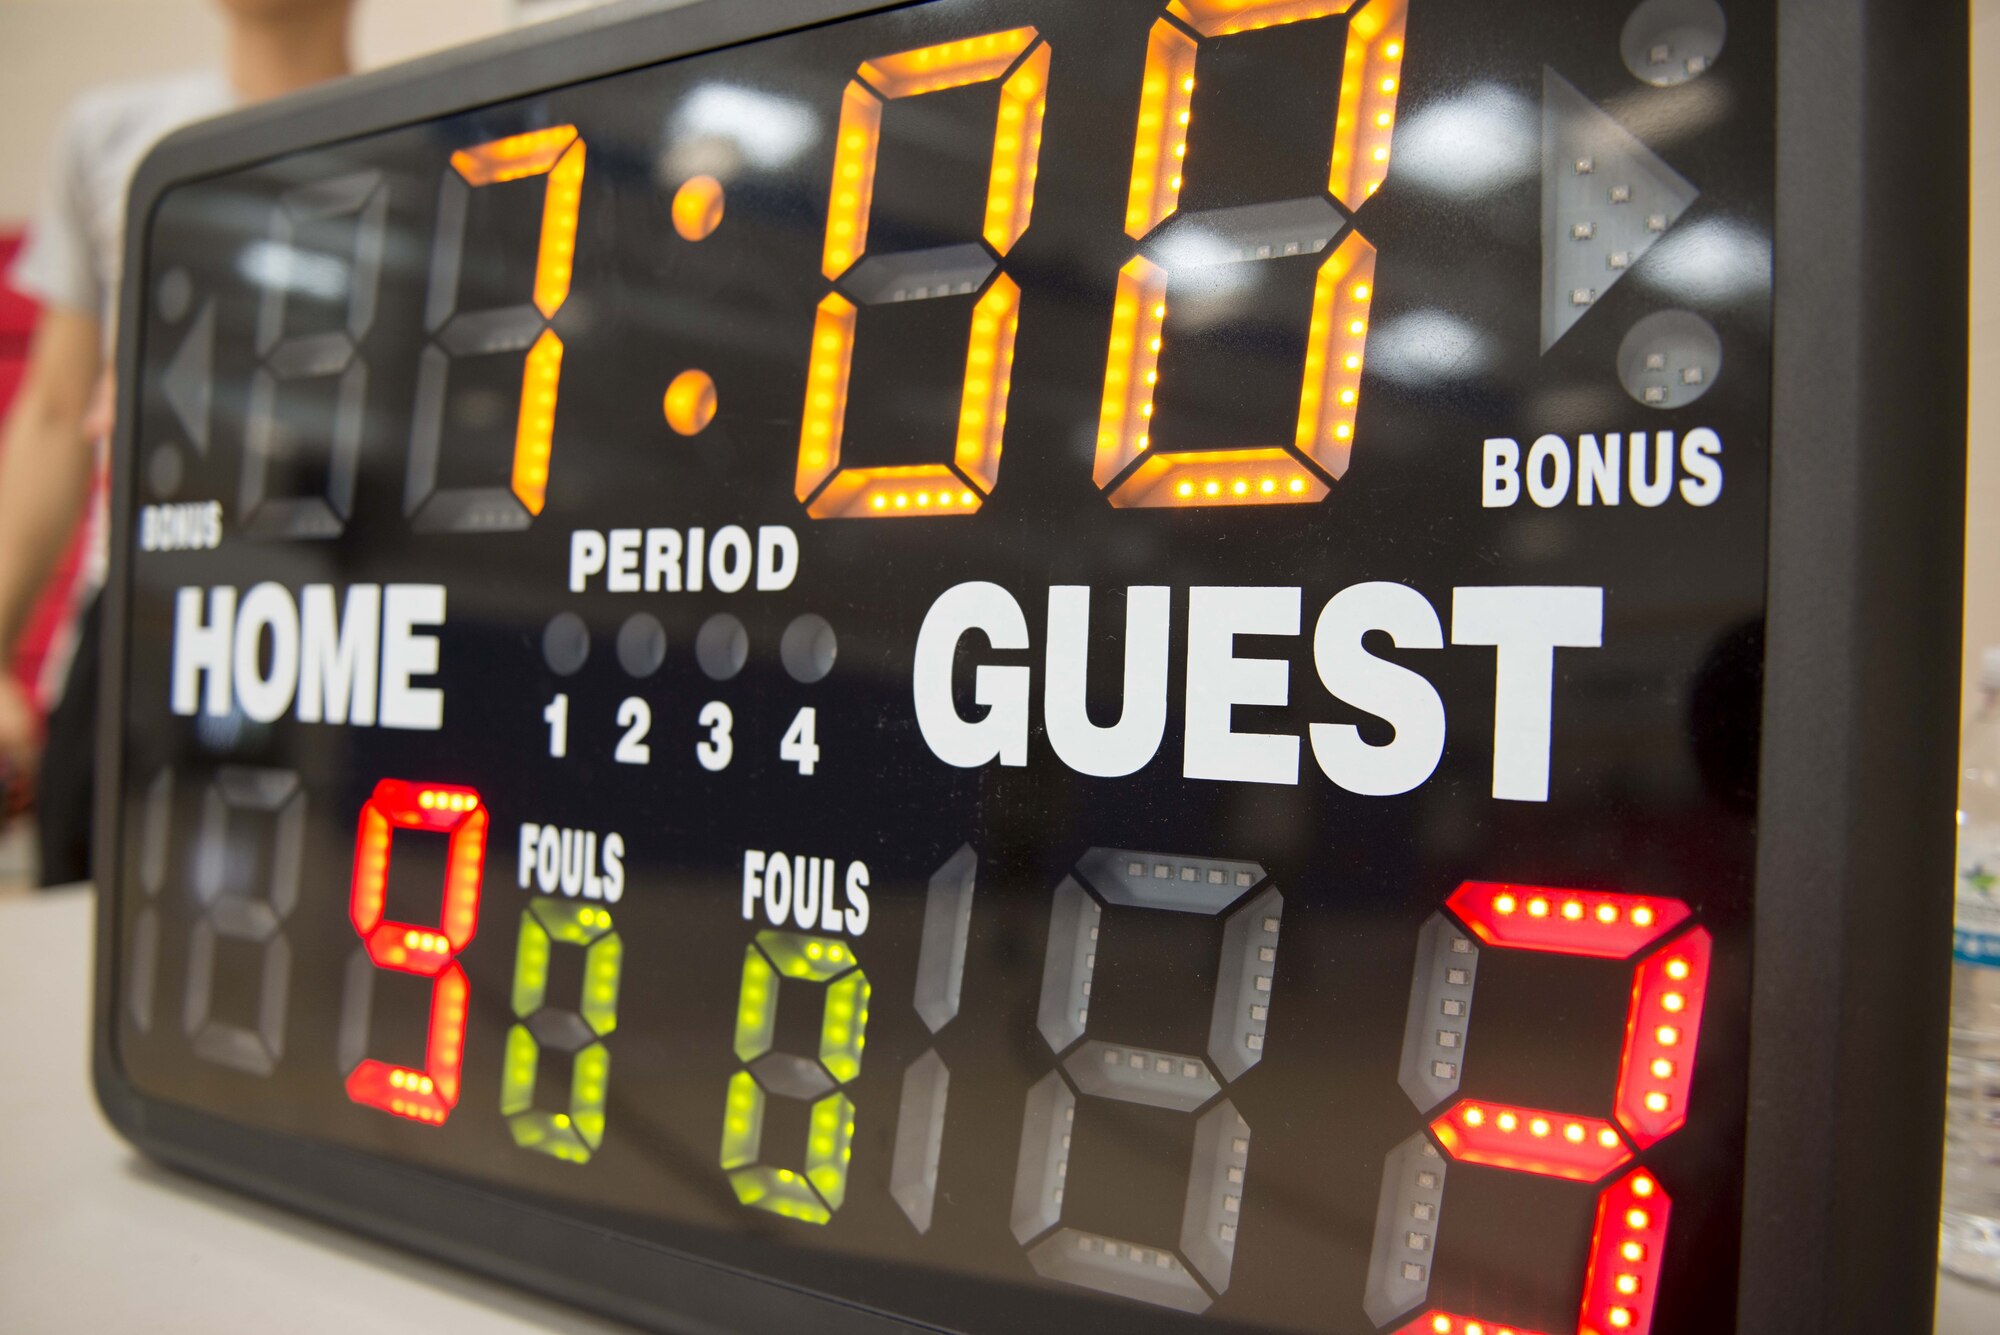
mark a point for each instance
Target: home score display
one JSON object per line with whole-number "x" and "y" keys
{"x": 939, "y": 657}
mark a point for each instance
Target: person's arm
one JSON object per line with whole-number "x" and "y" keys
{"x": 45, "y": 468}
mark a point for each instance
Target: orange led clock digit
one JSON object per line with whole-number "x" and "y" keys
{"x": 558, "y": 154}
{"x": 1128, "y": 467}
{"x": 830, "y": 489}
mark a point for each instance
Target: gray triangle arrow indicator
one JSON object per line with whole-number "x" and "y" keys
{"x": 189, "y": 382}
{"x": 1606, "y": 198}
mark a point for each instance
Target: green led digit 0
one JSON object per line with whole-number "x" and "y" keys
{"x": 816, "y": 1192}
{"x": 574, "y": 1135}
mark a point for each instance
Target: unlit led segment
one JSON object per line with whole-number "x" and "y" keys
{"x": 853, "y": 191}
{"x": 1660, "y": 1036}
{"x": 1165, "y": 98}
{"x": 1017, "y": 148}
{"x": 1595, "y": 923}
{"x": 1370, "y": 80}
{"x": 1330, "y": 394}
{"x": 1450, "y": 1323}
{"x": 1528, "y": 1140}
{"x": 515, "y": 157}
{"x": 826, "y": 393}
{"x": 1625, "y": 1251}
{"x": 1219, "y": 18}
{"x": 931, "y": 69}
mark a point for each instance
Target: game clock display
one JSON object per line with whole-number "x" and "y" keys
{"x": 1004, "y": 661}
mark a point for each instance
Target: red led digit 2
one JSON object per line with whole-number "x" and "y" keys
{"x": 1655, "y": 1073}
{"x": 830, "y": 489}
{"x": 426, "y": 1095}
{"x": 1130, "y": 470}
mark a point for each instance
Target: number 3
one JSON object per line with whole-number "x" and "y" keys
{"x": 716, "y": 752}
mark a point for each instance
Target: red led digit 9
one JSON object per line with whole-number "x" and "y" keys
{"x": 426, "y": 1095}
{"x": 1655, "y": 1072}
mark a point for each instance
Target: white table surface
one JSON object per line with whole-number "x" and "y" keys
{"x": 94, "y": 1238}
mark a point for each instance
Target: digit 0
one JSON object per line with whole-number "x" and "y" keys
{"x": 426, "y": 1095}
{"x": 1655, "y": 1072}
{"x": 558, "y": 154}
{"x": 814, "y": 1193}
{"x": 1130, "y": 470}
{"x": 575, "y": 1134}
{"x": 829, "y": 489}
{"x": 1187, "y": 1277}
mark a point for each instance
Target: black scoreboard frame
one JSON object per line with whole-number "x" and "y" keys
{"x": 1854, "y": 857}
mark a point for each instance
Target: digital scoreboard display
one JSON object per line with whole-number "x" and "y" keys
{"x": 1004, "y": 661}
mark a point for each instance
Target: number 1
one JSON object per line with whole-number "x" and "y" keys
{"x": 556, "y": 715}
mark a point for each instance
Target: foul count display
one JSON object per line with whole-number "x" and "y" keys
{"x": 937, "y": 657}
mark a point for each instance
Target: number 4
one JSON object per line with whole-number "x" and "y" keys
{"x": 801, "y": 743}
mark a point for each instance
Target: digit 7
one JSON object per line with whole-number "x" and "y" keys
{"x": 430, "y": 1094}
{"x": 1128, "y": 467}
{"x": 829, "y": 489}
{"x": 1656, "y": 1070}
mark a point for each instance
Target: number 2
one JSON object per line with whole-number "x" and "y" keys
{"x": 636, "y": 717}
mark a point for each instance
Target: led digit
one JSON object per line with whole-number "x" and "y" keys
{"x": 829, "y": 489}
{"x": 1127, "y": 467}
{"x": 913, "y": 1171}
{"x": 1187, "y": 1277}
{"x": 153, "y": 834}
{"x": 815, "y": 1192}
{"x": 284, "y": 268}
{"x": 1655, "y": 1072}
{"x": 557, "y": 153}
{"x": 229, "y": 913}
{"x": 575, "y": 1134}
{"x": 426, "y": 1095}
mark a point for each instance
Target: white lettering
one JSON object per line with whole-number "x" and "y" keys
{"x": 1128, "y": 744}
{"x": 1546, "y": 491}
{"x": 406, "y": 654}
{"x": 729, "y": 559}
{"x": 777, "y": 557}
{"x": 203, "y": 648}
{"x": 1525, "y": 625}
{"x": 1218, "y": 681}
{"x": 1002, "y": 732}
{"x": 586, "y": 558}
{"x": 337, "y": 664}
{"x": 1408, "y": 702}
{"x": 1502, "y": 477}
{"x": 266, "y": 694}
{"x": 1701, "y": 454}
{"x": 623, "y": 576}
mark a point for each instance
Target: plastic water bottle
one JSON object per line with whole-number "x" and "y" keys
{"x": 1971, "y": 1239}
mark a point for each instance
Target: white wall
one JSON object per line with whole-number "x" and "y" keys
{"x": 52, "y": 49}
